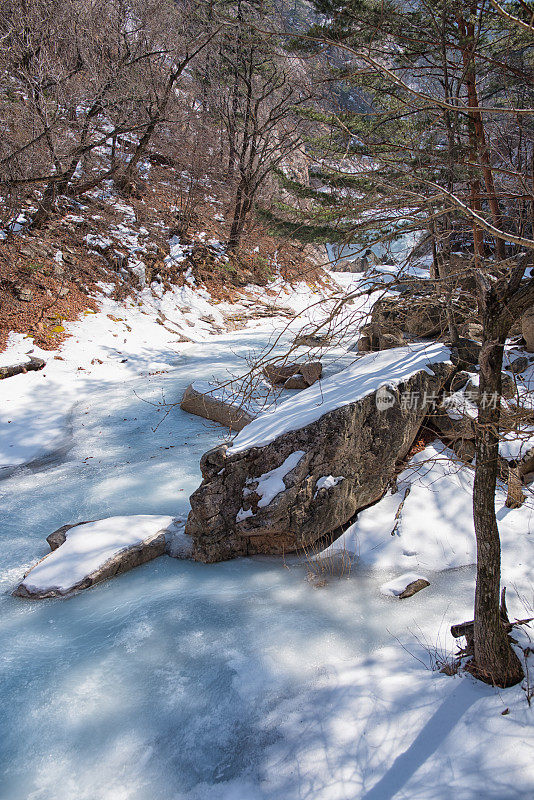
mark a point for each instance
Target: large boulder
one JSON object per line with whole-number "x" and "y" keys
{"x": 90, "y": 552}
{"x": 216, "y": 404}
{"x": 413, "y": 315}
{"x": 267, "y": 493}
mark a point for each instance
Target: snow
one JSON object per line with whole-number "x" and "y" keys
{"x": 396, "y": 586}
{"x": 118, "y": 343}
{"x": 328, "y": 482}
{"x": 270, "y": 484}
{"x": 516, "y": 445}
{"x": 88, "y": 547}
{"x": 427, "y": 523}
{"x": 387, "y": 368}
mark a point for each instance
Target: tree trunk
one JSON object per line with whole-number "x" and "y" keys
{"x": 476, "y": 124}
{"x": 495, "y": 661}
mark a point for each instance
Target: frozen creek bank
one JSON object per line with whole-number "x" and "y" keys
{"x": 234, "y": 681}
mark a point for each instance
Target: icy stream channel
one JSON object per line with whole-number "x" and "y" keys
{"x": 181, "y": 681}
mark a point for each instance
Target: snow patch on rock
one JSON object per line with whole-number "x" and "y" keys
{"x": 365, "y": 376}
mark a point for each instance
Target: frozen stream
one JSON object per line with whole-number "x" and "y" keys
{"x": 179, "y": 680}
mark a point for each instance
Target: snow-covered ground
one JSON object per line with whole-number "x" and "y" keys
{"x": 241, "y": 680}
{"x": 428, "y": 523}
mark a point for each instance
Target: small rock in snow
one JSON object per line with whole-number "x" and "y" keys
{"x": 404, "y": 586}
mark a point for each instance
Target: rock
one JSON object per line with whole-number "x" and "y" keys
{"x": 34, "y": 364}
{"x": 23, "y": 294}
{"x": 527, "y": 329}
{"x": 310, "y": 372}
{"x": 363, "y": 345}
{"x": 518, "y": 365}
{"x": 354, "y": 265}
{"x": 453, "y": 426}
{"x": 311, "y": 340}
{"x": 465, "y": 449}
{"x": 352, "y": 438}
{"x": 216, "y": 404}
{"x": 89, "y": 552}
{"x": 404, "y": 586}
{"x": 375, "y": 336}
{"x": 419, "y": 315}
{"x": 467, "y": 353}
{"x": 508, "y": 387}
{"x": 296, "y": 382}
{"x": 279, "y": 374}
{"x": 459, "y": 381}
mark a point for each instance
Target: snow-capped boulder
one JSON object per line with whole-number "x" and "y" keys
{"x": 216, "y": 404}
{"x": 90, "y": 552}
{"x": 265, "y": 493}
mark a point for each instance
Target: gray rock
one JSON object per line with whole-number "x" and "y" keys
{"x": 278, "y": 375}
{"x": 379, "y": 336}
{"x": 459, "y": 381}
{"x": 212, "y": 405}
{"x": 312, "y": 340}
{"x": 509, "y": 388}
{"x": 468, "y": 353}
{"x": 357, "y": 441}
{"x": 296, "y": 382}
{"x": 413, "y": 588}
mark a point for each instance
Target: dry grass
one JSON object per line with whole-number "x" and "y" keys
{"x": 322, "y": 568}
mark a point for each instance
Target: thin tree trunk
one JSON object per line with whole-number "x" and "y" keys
{"x": 494, "y": 659}
{"x": 467, "y": 31}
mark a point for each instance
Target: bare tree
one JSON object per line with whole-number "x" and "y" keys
{"x": 86, "y": 85}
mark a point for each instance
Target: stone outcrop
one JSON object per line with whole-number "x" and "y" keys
{"x": 413, "y": 315}
{"x": 360, "y": 442}
{"x": 90, "y": 552}
{"x": 215, "y": 404}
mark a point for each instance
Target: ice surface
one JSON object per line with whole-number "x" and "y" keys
{"x": 366, "y": 375}
{"x": 88, "y": 547}
{"x": 233, "y": 681}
